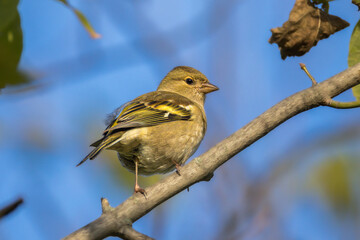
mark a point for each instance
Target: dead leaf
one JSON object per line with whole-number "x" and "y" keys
{"x": 306, "y": 26}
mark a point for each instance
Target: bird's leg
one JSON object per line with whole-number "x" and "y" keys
{"x": 178, "y": 167}
{"x": 137, "y": 188}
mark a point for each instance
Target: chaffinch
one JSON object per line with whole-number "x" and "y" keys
{"x": 158, "y": 131}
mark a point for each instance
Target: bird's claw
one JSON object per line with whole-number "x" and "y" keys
{"x": 138, "y": 189}
{"x": 178, "y": 167}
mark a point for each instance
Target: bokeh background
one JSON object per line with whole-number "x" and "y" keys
{"x": 301, "y": 181}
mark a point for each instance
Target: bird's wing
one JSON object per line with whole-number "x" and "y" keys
{"x": 144, "y": 113}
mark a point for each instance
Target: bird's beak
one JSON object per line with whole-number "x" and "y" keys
{"x": 208, "y": 88}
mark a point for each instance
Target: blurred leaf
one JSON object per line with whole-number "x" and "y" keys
{"x": 37, "y": 138}
{"x": 10, "y": 44}
{"x": 354, "y": 48}
{"x": 8, "y": 11}
{"x": 354, "y": 54}
{"x": 333, "y": 178}
{"x": 356, "y": 92}
{"x": 357, "y": 3}
{"x": 306, "y": 26}
{"x": 86, "y": 24}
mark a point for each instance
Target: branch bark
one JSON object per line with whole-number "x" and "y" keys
{"x": 201, "y": 168}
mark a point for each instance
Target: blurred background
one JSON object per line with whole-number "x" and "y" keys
{"x": 301, "y": 181}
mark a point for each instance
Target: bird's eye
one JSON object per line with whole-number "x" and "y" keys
{"x": 189, "y": 81}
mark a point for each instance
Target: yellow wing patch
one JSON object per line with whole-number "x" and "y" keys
{"x": 140, "y": 114}
{"x": 169, "y": 107}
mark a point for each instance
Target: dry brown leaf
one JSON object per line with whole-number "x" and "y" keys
{"x": 306, "y": 26}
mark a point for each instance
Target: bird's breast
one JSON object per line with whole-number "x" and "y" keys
{"x": 158, "y": 148}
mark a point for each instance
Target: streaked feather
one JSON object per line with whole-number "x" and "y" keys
{"x": 144, "y": 114}
{"x": 147, "y": 110}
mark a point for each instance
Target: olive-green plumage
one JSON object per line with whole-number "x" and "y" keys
{"x": 160, "y": 130}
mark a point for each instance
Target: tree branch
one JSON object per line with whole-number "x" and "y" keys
{"x": 201, "y": 168}
{"x": 127, "y": 232}
{"x": 330, "y": 102}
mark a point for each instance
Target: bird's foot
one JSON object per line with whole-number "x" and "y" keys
{"x": 138, "y": 189}
{"x": 178, "y": 167}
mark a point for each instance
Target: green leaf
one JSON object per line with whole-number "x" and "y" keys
{"x": 83, "y": 20}
{"x": 357, "y": 3}
{"x": 8, "y": 11}
{"x": 354, "y": 54}
{"x": 10, "y": 44}
{"x": 356, "y": 92}
{"x": 333, "y": 178}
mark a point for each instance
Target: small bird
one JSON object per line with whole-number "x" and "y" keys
{"x": 158, "y": 131}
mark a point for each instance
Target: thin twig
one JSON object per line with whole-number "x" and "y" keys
{"x": 303, "y": 67}
{"x": 10, "y": 208}
{"x": 105, "y": 206}
{"x": 128, "y": 233}
{"x": 342, "y": 105}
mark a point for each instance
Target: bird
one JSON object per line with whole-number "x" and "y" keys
{"x": 159, "y": 131}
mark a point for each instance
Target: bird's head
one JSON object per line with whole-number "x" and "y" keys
{"x": 187, "y": 82}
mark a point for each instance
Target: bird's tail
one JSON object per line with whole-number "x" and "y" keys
{"x": 94, "y": 152}
{"x": 101, "y": 144}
